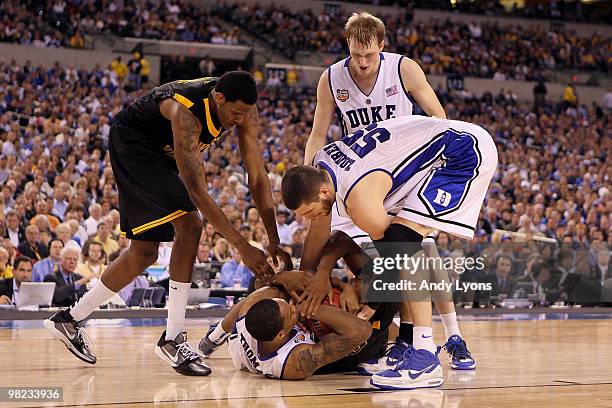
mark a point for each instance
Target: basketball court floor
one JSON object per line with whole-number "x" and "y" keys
{"x": 552, "y": 360}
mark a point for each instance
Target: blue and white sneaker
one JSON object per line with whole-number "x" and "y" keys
{"x": 418, "y": 369}
{"x": 393, "y": 356}
{"x": 460, "y": 357}
{"x": 207, "y": 346}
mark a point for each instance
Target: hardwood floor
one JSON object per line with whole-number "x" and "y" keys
{"x": 534, "y": 363}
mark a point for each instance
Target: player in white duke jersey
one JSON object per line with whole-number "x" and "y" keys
{"x": 429, "y": 173}
{"x": 266, "y": 339}
{"x": 367, "y": 87}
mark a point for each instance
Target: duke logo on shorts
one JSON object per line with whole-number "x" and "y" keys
{"x": 440, "y": 169}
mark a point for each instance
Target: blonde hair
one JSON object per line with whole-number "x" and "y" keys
{"x": 362, "y": 27}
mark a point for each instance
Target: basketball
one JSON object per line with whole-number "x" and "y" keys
{"x": 319, "y": 329}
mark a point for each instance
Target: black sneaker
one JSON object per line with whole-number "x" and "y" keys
{"x": 181, "y": 355}
{"x": 64, "y": 328}
{"x": 207, "y": 346}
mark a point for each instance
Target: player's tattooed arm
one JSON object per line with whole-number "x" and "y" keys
{"x": 186, "y": 130}
{"x": 348, "y": 333}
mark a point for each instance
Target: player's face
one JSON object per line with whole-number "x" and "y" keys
{"x": 233, "y": 113}
{"x": 290, "y": 316}
{"x": 315, "y": 209}
{"x": 365, "y": 60}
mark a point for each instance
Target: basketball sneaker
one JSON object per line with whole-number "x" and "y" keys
{"x": 418, "y": 369}
{"x": 181, "y": 355}
{"x": 460, "y": 357}
{"x": 207, "y": 346}
{"x": 64, "y": 328}
{"x": 393, "y": 355}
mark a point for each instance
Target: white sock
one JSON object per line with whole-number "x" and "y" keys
{"x": 90, "y": 301}
{"x": 423, "y": 339}
{"x": 177, "y": 303}
{"x": 218, "y": 335}
{"x": 451, "y": 326}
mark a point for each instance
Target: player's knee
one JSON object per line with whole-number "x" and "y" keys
{"x": 147, "y": 254}
{"x": 189, "y": 227}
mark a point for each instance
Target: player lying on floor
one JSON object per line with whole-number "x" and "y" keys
{"x": 267, "y": 337}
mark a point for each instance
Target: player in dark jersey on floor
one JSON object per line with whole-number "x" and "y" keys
{"x": 156, "y": 146}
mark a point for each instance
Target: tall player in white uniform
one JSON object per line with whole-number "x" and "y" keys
{"x": 370, "y": 86}
{"x": 431, "y": 173}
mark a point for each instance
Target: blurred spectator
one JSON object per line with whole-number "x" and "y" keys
{"x": 6, "y": 269}
{"x": 221, "y": 251}
{"x": 207, "y": 66}
{"x": 95, "y": 216}
{"x": 64, "y": 233}
{"x": 203, "y": 254}
{"x": 120, "y": 68}
{"x": 235, "y": 272}
{"x": 501, "y": 281}
{"x": 93, "y": 260}
{"x": 69, "y": 286}
{"x": 14, "y": 229}
{"x": 9, "y": 288}
{"x": 145, "y": 70}
{"x": 103, "y": 237}
{"x": 134, "y": 68}
{"x": 570, "y": 100}
{"x": 31, "y": 246}
{"x": 49, "y": 264}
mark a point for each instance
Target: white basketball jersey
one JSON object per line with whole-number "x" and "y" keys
{"x": 354, "y": 109}
{"x": 401, "y": 147}
{"x": 243, "y": 350}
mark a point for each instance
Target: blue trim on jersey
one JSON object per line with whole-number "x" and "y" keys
{"x": 453, "y": 178}
{"x": 399, "y": 73}
{"x": 359, "y": 178}
{"x": 331, "y": 173}
{"x": 418, "y": 161}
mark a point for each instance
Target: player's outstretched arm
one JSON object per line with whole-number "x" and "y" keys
{"x": 324, "y": 113}
{"x": 349, "y": 332}
{"x": 259, "y": 183}
{"x": 416, "y": 84}
{"x": 186, "y": 130}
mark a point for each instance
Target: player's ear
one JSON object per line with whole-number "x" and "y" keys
{"x": 381, "y": 46}
{"x": 219, "y": 98}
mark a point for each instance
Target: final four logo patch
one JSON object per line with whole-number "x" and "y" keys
{"x": 342, "y": 94}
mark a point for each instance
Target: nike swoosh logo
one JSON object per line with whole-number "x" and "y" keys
{"x": 67, "y": 333}
{"x": 172, "y": 358}
{"x": 416, "y": 374}
{"x": 425, "y": 337}
{"x": 172, "y": 287}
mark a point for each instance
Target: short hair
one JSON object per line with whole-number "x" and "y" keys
{"x": 70, "y": 248}
{"x": 301, "y": 184}
{"x": 264, "y": 320}
{"x": 20, "y": 259}
{"x": 88, "y": 245}
{"x": 362, "y": 27}
{"x": 503, "y": 256}
{"x": 238, "y": 86}
{"x": 52, "y": 241}
{"x": 75, "y": 207}
{"x": 537, "y": 268}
